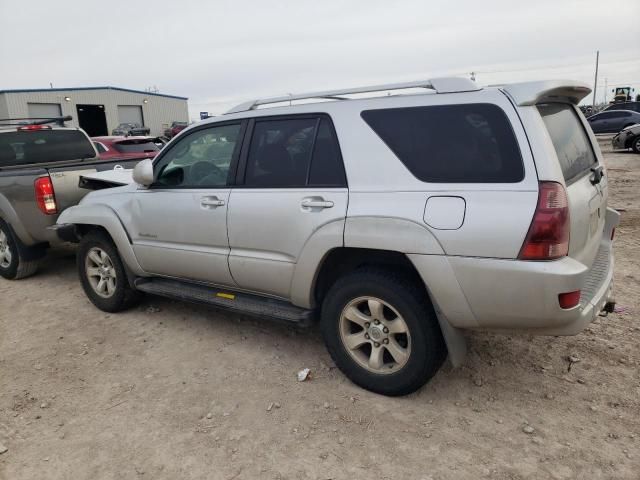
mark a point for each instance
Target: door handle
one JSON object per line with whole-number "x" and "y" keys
{"x": 211, "y": 202}
{"x": 316, "y": 203}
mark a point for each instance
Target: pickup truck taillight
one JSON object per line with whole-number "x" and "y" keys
{"x": 45, "y": 196}
{"x": 548, "y": 236}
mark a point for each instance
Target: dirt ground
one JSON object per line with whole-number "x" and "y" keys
{"x": 176, "y": 391}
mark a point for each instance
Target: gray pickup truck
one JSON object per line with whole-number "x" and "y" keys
{"x": 41, "y": 163}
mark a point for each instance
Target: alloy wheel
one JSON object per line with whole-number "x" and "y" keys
{"x": 375, "y": 335}
{"x": 100, "y": 272}
{"x": 5, "y": 251}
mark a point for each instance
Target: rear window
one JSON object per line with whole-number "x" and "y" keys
{"x": 569, "y": 138}
{"x": 471, "y": 143}
{"x": 43, "y": 146}
{"x": 135, "y": 147}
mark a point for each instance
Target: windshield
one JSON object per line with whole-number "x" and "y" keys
{"x": 26, "y": 147}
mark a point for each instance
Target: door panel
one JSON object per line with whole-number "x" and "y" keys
{"x": 178, "y": 233}
{"x": 179, "y": 225}
{"x": 292, "y": 183}
{"x": 268, "y": 229}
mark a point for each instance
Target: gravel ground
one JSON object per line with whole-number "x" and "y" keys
{"x": 171, "y": 390}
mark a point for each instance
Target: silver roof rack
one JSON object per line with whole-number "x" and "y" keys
{"x": 439, "y": 85}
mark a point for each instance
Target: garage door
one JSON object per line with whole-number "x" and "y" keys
{"x": 44, "y": 110}
{"x": 130, "y": 114}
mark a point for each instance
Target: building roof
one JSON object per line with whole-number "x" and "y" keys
{"x": 72, "y": 89}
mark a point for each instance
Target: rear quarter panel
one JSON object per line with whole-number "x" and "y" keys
{"x": 497, "y": 215}
{"x": 18, "y": 206}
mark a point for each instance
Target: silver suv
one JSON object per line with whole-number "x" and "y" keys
{"x": 396, "y": 220}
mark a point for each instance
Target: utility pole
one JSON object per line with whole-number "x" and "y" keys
{"x": 595, "y": 82}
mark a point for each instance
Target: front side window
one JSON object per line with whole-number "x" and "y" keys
{"x": 467, "y": 143}
{"x": 199, "y": 160}
{"x": 294, "y": 152}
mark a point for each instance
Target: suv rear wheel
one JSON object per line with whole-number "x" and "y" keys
{"x": 13, "y": 264}
{"x": 382, "y": 332}
{"x": 102, "y": 274}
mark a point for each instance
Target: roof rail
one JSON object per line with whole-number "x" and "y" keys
{"x": 439, "y": 85}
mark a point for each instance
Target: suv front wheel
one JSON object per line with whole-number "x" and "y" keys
{"x": 382, "y": 332}
{"x": 102, "y": 274}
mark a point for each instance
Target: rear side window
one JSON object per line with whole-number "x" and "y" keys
{"x": 294, "y": 152}
{"x": 43, "y": 146}
{"x": 569, "y": 138}
{"x": 135, "y": 147}
{"x": 471, "y": 143}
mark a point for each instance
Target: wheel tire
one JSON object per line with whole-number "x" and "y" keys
{"x": 13, "y": 265}
{"x": 635, "y": 144}
{"x": 123, "y": 295}
{"x": 427, "y": 349}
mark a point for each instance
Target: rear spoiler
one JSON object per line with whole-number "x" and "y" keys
{"x": 532, "y": 93}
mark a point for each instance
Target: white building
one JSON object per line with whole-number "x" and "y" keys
{"x": 97, "y": 110}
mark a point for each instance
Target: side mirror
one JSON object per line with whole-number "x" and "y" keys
{"x": 143, "y": 173}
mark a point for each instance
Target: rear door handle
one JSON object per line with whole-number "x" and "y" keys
{"x": 309, "y": 203}
{"x": 211, "y": 202}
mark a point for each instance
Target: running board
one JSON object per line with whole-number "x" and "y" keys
{"x": 229, "y": 300}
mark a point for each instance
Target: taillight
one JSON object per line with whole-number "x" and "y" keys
{"x": 548, "y": 236}
{"x": 569, "y": 299}
{"x": 45, "y": 196}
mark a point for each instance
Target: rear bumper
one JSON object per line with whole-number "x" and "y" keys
{"x": 523, "y": 295}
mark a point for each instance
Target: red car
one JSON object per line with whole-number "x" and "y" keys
{"x": 175, "y": 128}
{"x": 125, "y": 147}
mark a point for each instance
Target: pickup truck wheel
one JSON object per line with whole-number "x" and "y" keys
{"x": 102, "y": 274}
{"x": 13, "y": 266}
{"x": 382, "y": 332}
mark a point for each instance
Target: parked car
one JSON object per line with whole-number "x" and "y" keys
{"x": 613, "y": 121}
{"x": 633, "y": 106}
{"x": 174, "y": 129}
{"x": 125, "y": 147}
{"x": 130, "y": 129}
{"x": 40, "y": 166}
{"x": 629, "y": 137}
{"x": 395, "y": 220}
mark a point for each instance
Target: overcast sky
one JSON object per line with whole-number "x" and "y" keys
{"x": 219, "y": 53}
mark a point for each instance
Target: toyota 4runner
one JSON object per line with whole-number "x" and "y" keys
{"x": 396, "y": 220}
